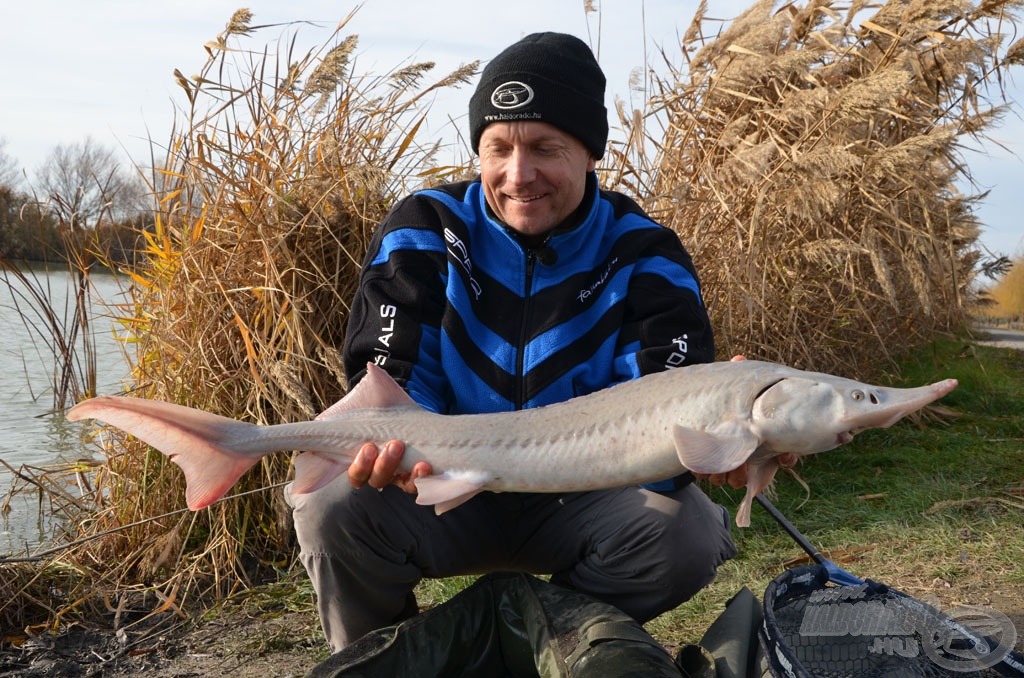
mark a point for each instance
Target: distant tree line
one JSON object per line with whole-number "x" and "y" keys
{"x": 1005, "y": 297}
{"x": 82, "y": 205}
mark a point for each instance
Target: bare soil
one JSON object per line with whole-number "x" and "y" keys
{"x": 233, "y": 643}
{"x": 268, "y": 644}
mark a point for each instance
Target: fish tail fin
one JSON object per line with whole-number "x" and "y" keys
{"x": 206, "y": 446}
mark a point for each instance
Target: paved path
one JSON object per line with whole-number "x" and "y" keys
{"x": 1003, "y": 338}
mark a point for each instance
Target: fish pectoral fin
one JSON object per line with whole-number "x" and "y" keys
{"x": 447, "y": 490}
{"x": 718, "y": 450}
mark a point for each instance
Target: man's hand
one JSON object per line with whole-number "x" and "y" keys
{"x": 378, "y": 468}
{"x": 737, "y": 477}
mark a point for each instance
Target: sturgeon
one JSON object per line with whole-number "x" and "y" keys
{"x": 708, "y": 418}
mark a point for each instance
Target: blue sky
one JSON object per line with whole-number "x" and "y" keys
{"x": 103, "y": 68}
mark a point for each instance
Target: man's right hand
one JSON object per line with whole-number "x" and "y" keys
{"x": 378, "y": 468}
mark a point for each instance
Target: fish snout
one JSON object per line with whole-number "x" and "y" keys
{"x": 881, "y": 407}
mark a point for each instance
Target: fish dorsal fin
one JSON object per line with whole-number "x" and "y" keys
{"x": 376, "y": 390}
{"x": 720, "y": 449}
{"x": 447, "y": 490}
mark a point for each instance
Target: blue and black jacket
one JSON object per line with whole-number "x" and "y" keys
{"x": 468, "y": 319}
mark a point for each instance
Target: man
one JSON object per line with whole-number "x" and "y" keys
{"x": 526, "y": 287}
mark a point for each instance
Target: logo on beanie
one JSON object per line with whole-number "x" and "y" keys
{"x": 512, "y": 94}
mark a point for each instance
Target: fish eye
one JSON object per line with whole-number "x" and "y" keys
{"x": 857, "y": 395}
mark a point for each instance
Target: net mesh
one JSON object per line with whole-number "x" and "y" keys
{"x": 813, "y": 628}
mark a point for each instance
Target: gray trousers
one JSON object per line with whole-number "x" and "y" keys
{"x": 641, "y": 551}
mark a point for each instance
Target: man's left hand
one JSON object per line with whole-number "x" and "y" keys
{"x": 737, "y": 477}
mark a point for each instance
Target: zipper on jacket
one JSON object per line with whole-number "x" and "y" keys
{"x": 520, "y": 394}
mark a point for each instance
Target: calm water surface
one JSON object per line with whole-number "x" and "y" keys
{"x": 29, "y": 433}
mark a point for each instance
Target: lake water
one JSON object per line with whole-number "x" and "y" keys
{"x": 29, "y": 433}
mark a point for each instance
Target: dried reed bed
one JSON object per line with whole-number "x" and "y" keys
{"x": 806, "y": 160}
{"x": 280, "y": 166}
{"x": 283, "y": 168}
{"x": 807, "y": 155}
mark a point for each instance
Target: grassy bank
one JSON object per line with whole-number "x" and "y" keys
{"x": 933, "y": 509}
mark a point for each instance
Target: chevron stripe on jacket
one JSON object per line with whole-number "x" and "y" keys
{"x": 468, "y": 319}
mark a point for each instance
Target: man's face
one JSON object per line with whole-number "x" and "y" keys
{"x": 534, "y": 175}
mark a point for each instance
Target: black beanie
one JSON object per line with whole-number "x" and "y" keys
{"x": 549, "y": 77}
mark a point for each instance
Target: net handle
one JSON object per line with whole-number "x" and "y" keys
{"x": 836, "y": 574}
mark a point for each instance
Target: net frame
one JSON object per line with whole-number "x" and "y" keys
{"x": 822, "y": 621}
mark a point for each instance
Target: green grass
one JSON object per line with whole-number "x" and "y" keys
{"x": 933, "y": 508}
{"x": 925, "y": 506}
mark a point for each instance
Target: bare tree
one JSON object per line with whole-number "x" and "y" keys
{"x": 86, "y": 185}
{"x": 8, "y": 167}
{"x": 86, "y": 188}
